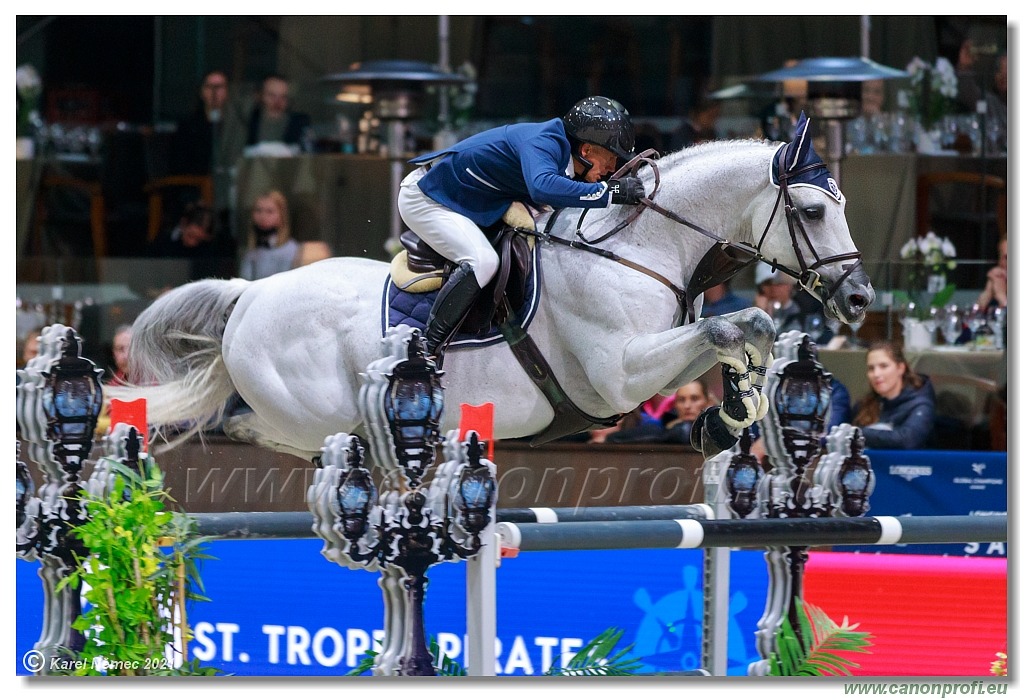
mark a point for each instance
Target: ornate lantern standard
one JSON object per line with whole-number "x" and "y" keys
{"x": 409, "y": 526}
{"x": 59, "y": 397}
{"x": 780, "y": 487}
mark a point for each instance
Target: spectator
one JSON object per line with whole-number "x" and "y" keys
{"x": 994, "y": 293}
{"x": 271, "y": 248}
{"x": 978, "y": 82}
{"x": 720, "y": 299}
{"x": 271, "y": 119}
{"x": 28, "y": 346}
{"x": 120, "y": 345}
{"x": 689, "y": 401}
{"x": 628, "y": 422}
{"x": 196, "y": 238}
{"x": 672, "y": 425}
{"x": 790, "y": 310}
{"x": 872, "y": 97}
{"x": 898, "y": 413}
{"x": 698, "y": 126}
{"x": 775, "y": 296}
{"x": 210, "y": 140}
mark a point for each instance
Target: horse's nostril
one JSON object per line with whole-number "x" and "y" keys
{"x": 858, "y": 301}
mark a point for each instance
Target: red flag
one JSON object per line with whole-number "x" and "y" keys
{"x": 133, "y": 413}
{"x": 480, "y": 419}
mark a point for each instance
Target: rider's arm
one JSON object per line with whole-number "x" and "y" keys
{"x": 548, "y": 183}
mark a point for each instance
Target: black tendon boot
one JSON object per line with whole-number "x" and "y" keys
{"x": 450, "y": 308}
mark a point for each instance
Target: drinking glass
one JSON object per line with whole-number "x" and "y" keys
{"x": 854, "y": 340}
{"x": 950, "y": 324}
{"x": 974, "y": 318}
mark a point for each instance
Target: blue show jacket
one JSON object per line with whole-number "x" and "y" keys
{"x": 906, "y": 422}
{"x": 482, "y": 175}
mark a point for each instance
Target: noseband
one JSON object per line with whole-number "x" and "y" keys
{"x": 808, "y": 277}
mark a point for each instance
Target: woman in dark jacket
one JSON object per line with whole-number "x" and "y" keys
{"x": 899, "y": 411}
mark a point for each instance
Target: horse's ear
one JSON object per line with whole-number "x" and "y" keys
{"x": 801, "y": 142}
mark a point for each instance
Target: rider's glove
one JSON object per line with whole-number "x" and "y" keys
{"x": 627, "y": 190}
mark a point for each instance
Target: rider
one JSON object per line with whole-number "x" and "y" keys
{"x": 458, "y": 191}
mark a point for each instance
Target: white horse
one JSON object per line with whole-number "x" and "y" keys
{"x": 293, "y": 345}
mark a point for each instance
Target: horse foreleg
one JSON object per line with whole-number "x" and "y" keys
{"x": 655, "y": 362}
{"x": 759, "y": 337}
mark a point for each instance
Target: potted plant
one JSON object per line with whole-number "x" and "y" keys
{"x": 927, "y": 291}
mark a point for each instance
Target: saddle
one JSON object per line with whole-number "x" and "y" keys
{"x": 419, "y": 269}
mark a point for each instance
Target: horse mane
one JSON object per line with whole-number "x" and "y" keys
{"x": 716, "y": 147}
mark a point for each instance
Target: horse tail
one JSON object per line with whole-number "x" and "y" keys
{"x": 176, "y": 359}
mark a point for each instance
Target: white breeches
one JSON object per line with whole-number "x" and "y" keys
{"x": 451, "y": 234}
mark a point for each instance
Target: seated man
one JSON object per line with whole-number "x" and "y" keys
{"x": 469, "y": 186}
{"x": 272, "y": 120}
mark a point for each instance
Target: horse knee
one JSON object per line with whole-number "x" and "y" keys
{"x": 723, "y": 334}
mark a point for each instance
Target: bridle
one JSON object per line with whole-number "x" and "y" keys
{"x": 738, "y": 255}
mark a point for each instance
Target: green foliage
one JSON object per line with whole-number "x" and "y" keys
{"x": 139, "y": 552}
{"x": 823, "y": 646}
{"x": 598, "y": 657}
{"x": 921, "y": 310}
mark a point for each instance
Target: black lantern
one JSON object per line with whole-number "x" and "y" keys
{"x": 475, "y": 490}
{"x": 742, "y": 477}
{"x": 356, "y": 492}
{"x": 802, "y": 401}
{"x": 856, "y": 480}
{"x": 72, "y": 398}
{"x": 413, "y": 404}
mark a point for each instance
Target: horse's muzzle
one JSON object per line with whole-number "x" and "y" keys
{"x": 850, "y": 300}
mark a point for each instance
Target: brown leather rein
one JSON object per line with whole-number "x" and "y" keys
{"x": 736, "y": 255}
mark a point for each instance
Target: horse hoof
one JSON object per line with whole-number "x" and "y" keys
{"x": 710, "y": 435}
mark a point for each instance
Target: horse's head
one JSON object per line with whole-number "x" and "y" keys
{"x": 804, "y": 231}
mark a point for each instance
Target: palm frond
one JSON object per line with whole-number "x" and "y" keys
{"x": 824, "y": 646}
{"x": 598, "y": 657}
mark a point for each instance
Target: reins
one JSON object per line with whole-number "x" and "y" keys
{"x": 741, "y": 254}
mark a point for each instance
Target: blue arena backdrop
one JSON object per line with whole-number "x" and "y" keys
{"x": 280, "y": 609}
{"x": 911, "y": 482}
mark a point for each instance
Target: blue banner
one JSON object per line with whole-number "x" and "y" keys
{"x": 280, "y": 609}
{"x": 912, "y": 482}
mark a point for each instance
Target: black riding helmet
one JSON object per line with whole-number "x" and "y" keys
{"x": 603, "y": 122}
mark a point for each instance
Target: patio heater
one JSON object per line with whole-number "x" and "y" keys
{"x": 394, "y": 91}
{"x": 833, "y": 94}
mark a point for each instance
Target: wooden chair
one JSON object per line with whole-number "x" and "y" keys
{"x": 199, "y": 187}
{"x": 52, "y": 185}
{"x": 963, "y": 407}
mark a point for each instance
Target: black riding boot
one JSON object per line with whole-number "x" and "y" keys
{"x": 450, "y": 308}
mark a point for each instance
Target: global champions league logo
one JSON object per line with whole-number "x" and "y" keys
{"x": 669, "y": 635}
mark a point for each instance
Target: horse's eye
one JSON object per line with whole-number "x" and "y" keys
{"x": 814, "y": 213}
